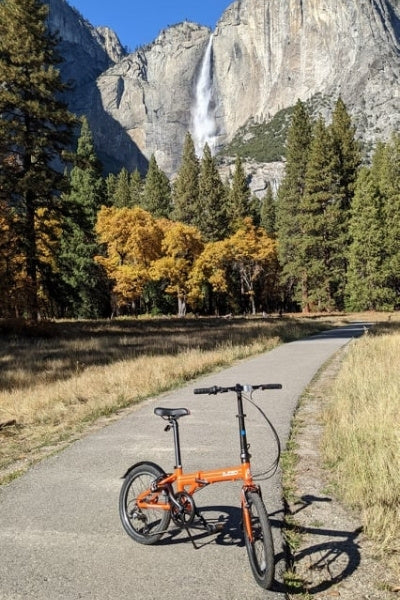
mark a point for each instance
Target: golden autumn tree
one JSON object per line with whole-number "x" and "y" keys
{"x": 132, "y": 240}
{"x": 48, "y": 234}
{"x": 180, "y": 247}
{"x": 249, "y": 255}
{"x": 210, "y": 272}
{"x": 11, "y": 265}
{"x": 253, "y": 256}
{"x": 14, "y": 281}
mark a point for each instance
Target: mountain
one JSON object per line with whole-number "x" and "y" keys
{"x": 262, "y": 57}
{"x": 88, "y": 52}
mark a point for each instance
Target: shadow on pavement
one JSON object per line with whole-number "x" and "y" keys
{"x": 354, "y": 330}
{"x": 326, "y": 563}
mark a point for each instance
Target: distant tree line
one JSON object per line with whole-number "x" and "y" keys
{"x": 75, "y": 243}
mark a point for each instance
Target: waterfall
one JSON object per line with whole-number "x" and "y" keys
{"x": 204, "y": 127}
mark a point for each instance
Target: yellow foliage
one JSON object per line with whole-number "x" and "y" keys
{"x": 182, "y": 241}
{"x": 252, "y": 244}
{"x": 133, "y": 241}
{"x": 180, "y": 247}
{"x": 48, "y": 236}
{"x": 130, "y": 234}
{"x": 211, "y": 266}
{"x": 249, "y": 251}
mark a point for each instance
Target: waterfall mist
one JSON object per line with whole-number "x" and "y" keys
{"x": 204, "y": 127}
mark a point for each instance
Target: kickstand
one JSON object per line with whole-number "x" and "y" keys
{"x": 191, "y": 538}
{"x": 210, "y": 527}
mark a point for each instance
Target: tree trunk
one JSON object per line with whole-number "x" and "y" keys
{"x": 181, "y": 305}
{"x": 252, "y": 303}
{"x": 31, "y": 258}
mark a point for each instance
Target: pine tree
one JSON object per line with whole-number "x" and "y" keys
{"x": 35, "y": 127}
{"x": 110, "y": 185}
{"x": 390, "y": 188}
{"x": 290, "y": 194}
{"x": 320, "y": 208}
{"x": 156, "y": 191}
{"x": 268, "y": 212}
{"x": 347, "y": 150}
{"x": 239, "y": 197}
{"x": 185, "y": 194}
{"x": 122, "y": 190}
{"x": 136, "y": 188}
{"x": 87, "y": 293}
{"x": 212, "y": 215}
{"x": 366, "y": 278}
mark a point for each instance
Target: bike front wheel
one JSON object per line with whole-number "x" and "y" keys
{"x": 145, "y": 526}
{"x": 258, "y": 539}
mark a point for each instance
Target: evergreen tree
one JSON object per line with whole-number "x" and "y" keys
{"x": 156, "y": 191}
{"x": 136, "y": 188}
{"x": 347, "y": 150}
{"x": 212, "y": 215}
{"x": 110, "y": 185}
{"x": 390, "y": 188}
{"x": 289, "y": 198}
{"x": 268, "y": 212}
{"x": 35, "y": 128}
{"x": 84, "y": 280}
{"x": 366, "y": 278}
{"x": 186, "y": 186}
{"x": 320, "y": 208}
{"x": 122, "y": 190}
{"x": 239, "y": 197}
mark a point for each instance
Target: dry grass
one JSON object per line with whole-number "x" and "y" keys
{"x": 362, "y": 435}
{"x": 59, "y": 377}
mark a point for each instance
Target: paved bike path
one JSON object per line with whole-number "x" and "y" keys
{"x": 60, "y": 534}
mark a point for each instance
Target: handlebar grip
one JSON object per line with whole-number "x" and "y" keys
{"x": 271, "y": 386}
{"x": 210, "y": 390}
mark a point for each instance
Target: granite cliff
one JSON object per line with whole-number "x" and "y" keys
{"x": 262, "y": 57}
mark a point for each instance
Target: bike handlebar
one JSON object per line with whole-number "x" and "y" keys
{"x": 216, "y": 389}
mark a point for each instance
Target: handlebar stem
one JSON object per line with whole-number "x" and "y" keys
{"x": 244, "y": 449}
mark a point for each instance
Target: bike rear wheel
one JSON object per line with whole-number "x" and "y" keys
{"x": 145, "y": 526}
{"x": 259, "y": 544}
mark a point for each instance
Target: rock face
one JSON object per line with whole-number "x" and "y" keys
{"x": 88, "y": 52}
{"x": 265, "y": 55}
{"x": 151, "y": 92}
{"x": 269, "y": 53}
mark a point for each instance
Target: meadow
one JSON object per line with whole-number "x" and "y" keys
{"x": 59, "y": 378}
{"x": 361, "y": 445}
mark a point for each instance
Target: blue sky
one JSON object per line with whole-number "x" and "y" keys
{"x": 138, "y": 22}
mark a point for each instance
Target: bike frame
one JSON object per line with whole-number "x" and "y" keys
{"x": 196, "y": 480}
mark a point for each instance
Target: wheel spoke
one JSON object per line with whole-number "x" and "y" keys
{"x": 144, "y": 525}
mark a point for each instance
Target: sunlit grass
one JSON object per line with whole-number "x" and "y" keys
{"x": 54, "y": 384}
{"x": 362, "y": 436}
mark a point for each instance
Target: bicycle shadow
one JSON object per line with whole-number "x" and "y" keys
{"x": 322, "y": 565}
{"x": 326, "y": 563}
{"x": 226, "y": 518}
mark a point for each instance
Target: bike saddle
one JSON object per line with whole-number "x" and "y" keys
{"x": 173, "y": 413}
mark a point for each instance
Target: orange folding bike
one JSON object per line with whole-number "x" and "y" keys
{"x": 150, "y": 498}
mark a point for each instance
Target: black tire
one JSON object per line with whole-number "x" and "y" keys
{"x": 144, "y": 526}
{"x": 261, "y": 549}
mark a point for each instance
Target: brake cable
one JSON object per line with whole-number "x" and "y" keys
{"x": 272, "y": 469}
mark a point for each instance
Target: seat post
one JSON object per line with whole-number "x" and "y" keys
{"x": 177, "y": 445}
